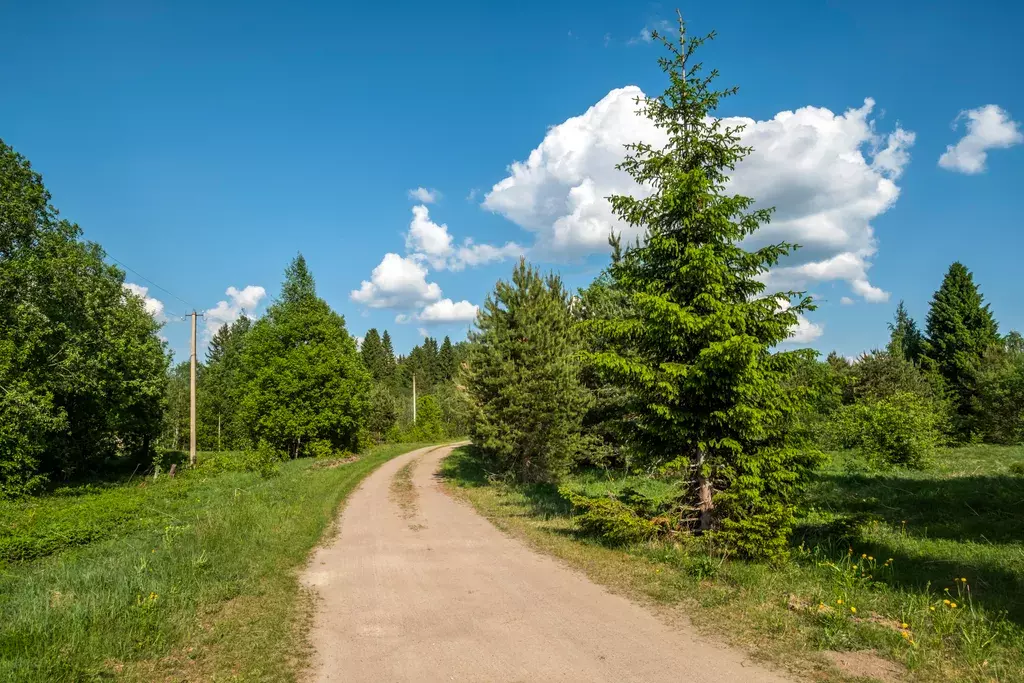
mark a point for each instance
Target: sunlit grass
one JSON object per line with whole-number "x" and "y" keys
{"x": 191, "y": 578}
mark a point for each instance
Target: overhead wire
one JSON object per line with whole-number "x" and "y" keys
{"x": 163, "y": 289}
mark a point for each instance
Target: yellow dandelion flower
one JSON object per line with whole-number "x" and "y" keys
{"x": 904, "y": 625}
{"x": 905, "y": 634}
{"x": 945, "y": 602}
{"x": 863, "y": 556}
{"x": 953, "y": 605}
{"x": 839, "y": 602}
{"x": 964, "y": 579}
{"x": 932, "y": 608}
{"x": 871, "y": 559}
{"x": 853, "y": 609}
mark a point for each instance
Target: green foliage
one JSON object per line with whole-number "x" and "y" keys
{"x": 375, "y": 357}
{"x": 429, "y": 425}
{"x": 82, "y": 368}
{"x": 220, "y": 389}
{"x": 881, "y": 374}
{"x": 960, "y": 330}
{"x": 1017, "y": 468}
{"x": 306, "y": 381}
{"x": 1000, "y": 394}
{"x": 523, "y": 377}
{"x": 382, "y": 413}
{"x": 905, "y": 339}
{"x": 609, "y": 519}
{"x": 901, "y": 430}
{"x": 696, "y": 346}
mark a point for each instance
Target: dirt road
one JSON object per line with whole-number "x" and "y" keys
{"x": 418, "y": 587}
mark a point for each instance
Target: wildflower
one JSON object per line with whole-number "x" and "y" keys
{"x": 904, "y": 625}
{"x": 863, "y": 556}
{"x": 945, "y": 602}
{"x": 905, "y": 634}
{"x": 853, "y": 610}
{"x": 870, "y": 559}
{"x": 953, "y": 605}
{"x": 932, "y": 608}
{"x": 964, "y": 579}
{"x": 839, "y": 601}
{"x": 889, "y": 560}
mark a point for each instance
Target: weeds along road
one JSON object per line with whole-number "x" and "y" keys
{"x": 417, "y": 587}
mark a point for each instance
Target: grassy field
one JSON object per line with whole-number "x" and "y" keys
{"x": 900, "y": 575}
{"x": 190, "y": 578}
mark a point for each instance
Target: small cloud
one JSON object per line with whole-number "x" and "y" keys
{"x": 846, "y": 301}
{"x": 988, "y": 127}
{"x": 607, "y": 39}
{"x": 448, "y": 311}
{"x": 422, "y": 194}
{"x": 397, "y": 282}
{"x": 471, "y": 197}
{"x": 359, "y": 342}
{"x": 423, "y": 331}
{"x": 153, "y": 306}
{"x": 239, "y": 301}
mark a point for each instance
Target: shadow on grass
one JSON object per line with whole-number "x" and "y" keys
{"x": 935, "y": 514}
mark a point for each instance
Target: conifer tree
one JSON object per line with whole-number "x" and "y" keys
{"x": 523, "y": 377}
{"x": 446, "y": 360}
{"x": 960, "y": 330}
{"x": 905, "y": 339}
{"x": 389, "y": 355}
{"x": 695, "y": 349}
{"x": 373, "y": 352}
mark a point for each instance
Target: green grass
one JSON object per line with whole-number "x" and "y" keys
{"x": 963, "y": 518}
{"x": 191, "y": 578}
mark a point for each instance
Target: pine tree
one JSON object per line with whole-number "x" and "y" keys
{"x": 523, "y": 377}
{"x": 711, "y": 399}
{"x": 905, "y": 339}
{"x": 960, "y": 329}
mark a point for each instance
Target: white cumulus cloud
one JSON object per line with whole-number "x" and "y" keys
{"x": 397, "y": 282}
{"x": 239, "y": 301}
{"x": 431, "y": 242}
{"x": 153, "y": 306}
{"x": 828, "y": 175}
{"x": 988, "y": 127}
{"x": 422, "y": 194}
{"x": 448, "y": 311}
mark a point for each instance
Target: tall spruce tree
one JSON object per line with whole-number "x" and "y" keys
{"x": 695, "y": 348}
{"x": 306, "y": 380}
{"x": 446, "y": 360}
{"x": 523, "y": 377}
{"x": 960, "y": 329}
{"x": 373, "y": 352}
{"x": 389, "y": 356}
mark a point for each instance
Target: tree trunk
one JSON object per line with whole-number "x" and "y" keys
{"x": 705, "y": 504}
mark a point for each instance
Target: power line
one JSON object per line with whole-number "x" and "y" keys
{"x": 163, "y": 289}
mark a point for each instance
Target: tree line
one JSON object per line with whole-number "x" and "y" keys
{"x": 87, "y": 387}
{"x": 669, "y": 364}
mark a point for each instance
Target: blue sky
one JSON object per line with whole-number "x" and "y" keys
{"x": 205, "y": 144}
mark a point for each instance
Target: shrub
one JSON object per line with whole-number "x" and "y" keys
{"x": 901, "y": 430}
{"x": 609, "y": 519}
{"x": 319, "y": 448}
{"x": 1017, "y": 468}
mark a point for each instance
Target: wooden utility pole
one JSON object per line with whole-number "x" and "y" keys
{"x": 414, "y": 398}
{"x": 192, "y": 405}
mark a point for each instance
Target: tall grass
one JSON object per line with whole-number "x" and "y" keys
{"x": 189, "y": 577}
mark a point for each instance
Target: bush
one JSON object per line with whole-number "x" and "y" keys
{"x": 609, "y": 519}
{"x": 1017, "y": 468}
{"x": 901, "y": 430}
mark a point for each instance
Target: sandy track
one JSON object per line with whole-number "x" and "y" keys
{"x": 433, "y": 592}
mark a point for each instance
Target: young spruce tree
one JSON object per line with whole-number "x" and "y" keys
{"x": 522, "y": 377}
{"x": 710, "y": 398}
